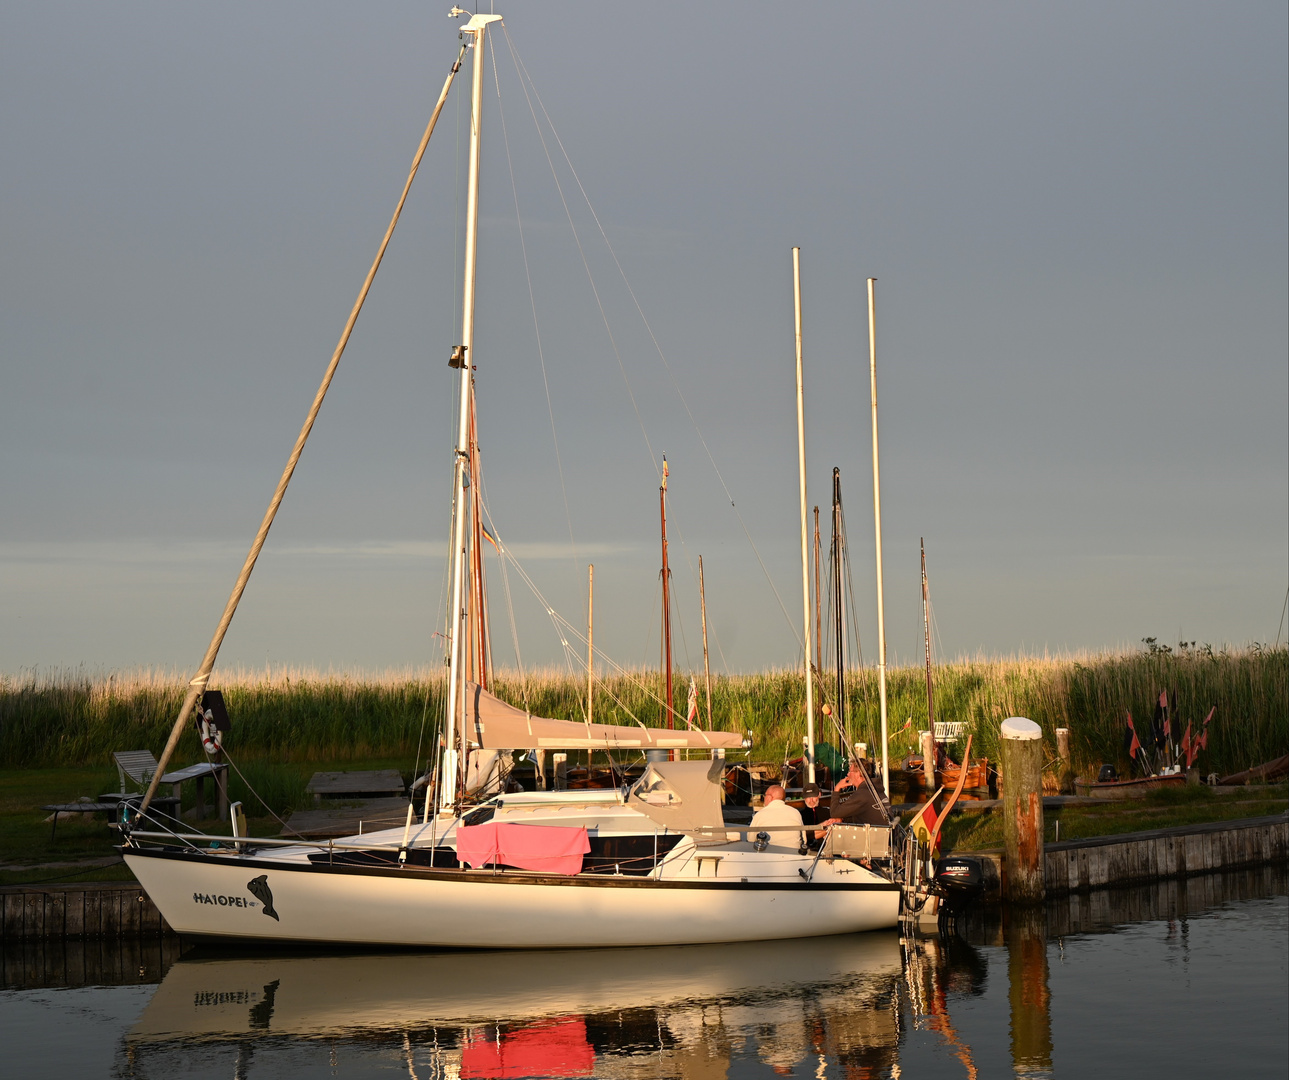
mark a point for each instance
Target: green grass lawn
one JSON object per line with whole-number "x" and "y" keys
{"x": 981, "y": 830}
{"x": 27, "y": 849}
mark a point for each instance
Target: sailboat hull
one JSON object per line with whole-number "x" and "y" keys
{"x": 248, "y": 898}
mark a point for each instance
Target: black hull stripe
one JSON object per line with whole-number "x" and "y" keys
{"x": 478, "y": 877}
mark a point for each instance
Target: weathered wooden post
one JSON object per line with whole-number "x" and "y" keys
{"x": 1063, "y": 752}
{"x": 1022, "y": 747}
{"x": 928, "y": 760}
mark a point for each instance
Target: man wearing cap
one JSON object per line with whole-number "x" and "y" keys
{"x": 814, "y": 813}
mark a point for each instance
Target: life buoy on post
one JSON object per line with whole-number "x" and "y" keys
{"x": 212, "y": 739}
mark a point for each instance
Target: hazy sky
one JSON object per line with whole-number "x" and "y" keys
{"x": 1076, "y": 213}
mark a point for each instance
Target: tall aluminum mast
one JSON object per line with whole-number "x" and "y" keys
{"x": 805, "y": 540}
{"x": 462, "y": 358}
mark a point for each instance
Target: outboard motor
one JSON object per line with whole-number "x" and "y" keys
{"x": 958, "y": 881}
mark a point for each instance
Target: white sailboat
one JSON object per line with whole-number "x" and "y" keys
{"x": 649, "y": 864}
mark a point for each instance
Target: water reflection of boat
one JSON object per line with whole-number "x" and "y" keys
{"x": 505, "y": 1013}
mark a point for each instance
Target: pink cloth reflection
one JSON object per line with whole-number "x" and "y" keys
{"x": 550, "y": 849}
{"x": 551, "y": 1048}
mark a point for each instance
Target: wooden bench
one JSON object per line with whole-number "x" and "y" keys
{"x": 373, "y": 784}
{"x": 169, "y": 803}
{"x": 139, "y": 767}
{"x": 947, "y": 731}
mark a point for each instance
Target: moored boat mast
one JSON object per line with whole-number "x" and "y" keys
{"x": 667, "y": 712}
{"x": 877, "y": 529}
{"x": 805, "y": 539}
{"x": 838, "y": 599}
{"x": 462, "y": 358}
{"x": 930, "y": 697}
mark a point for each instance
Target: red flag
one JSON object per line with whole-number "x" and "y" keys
{"x": 1188, "y": 751}
{"x": 1163, "y": 705}
{"x": 1202, "y": 741}
{"x": 1134, "y": 744}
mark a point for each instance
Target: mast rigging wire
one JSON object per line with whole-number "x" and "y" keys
{"x": 526, "y": 83}
{"x": 532, "y": 303}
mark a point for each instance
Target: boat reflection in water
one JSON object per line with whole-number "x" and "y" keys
{"x": 679, "y": 1011}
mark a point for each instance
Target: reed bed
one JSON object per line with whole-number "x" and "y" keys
{"x": 297, "y": 715}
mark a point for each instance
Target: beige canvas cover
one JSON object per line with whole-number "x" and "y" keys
{"x": 682, "y": 795}
{"x": 494, "y": 725}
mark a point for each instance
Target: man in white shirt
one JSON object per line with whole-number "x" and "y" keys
{"x": 776, "y": 811}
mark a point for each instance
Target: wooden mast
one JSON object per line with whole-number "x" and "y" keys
{"x": 668, "y": 713}
{"x": 839, "y": 626}
{"x": 707, "y": 670}
{"x": 590, "y": 644}
{"x": 926, "y": 637}
{"x": 819, "y": 636}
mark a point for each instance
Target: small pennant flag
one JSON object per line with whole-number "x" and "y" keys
{"x": 1189, "y": 750}
{"x": 1203, "y": 739}
{"x": 1163, "y": 710}
{"x": 1130, "y": 740}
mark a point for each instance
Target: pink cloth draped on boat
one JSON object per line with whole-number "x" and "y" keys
{"x": 550, "y": 849}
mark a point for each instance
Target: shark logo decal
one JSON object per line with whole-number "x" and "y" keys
{"x": 259, "y": 888}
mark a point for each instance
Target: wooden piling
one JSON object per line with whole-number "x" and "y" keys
{"x": 928, "y": 759}
{"x": 1067, "y": 768}
{"x": 1022, "y": 752}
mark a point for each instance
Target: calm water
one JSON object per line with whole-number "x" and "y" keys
{"x": 1183, "y": 979}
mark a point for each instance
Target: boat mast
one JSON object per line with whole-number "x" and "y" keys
{"x": 926, "y": 637}
{"x": 461, "y": 359}
{"x": 819, "y": 631}
{"x": 877, "y": 529}
{"x": 590, "y": 647}
{"x": 805, "y": 538}
{"x": 839, "y": 624}
{"x": 666, "y": 605}
{"x": 707, "y": 670}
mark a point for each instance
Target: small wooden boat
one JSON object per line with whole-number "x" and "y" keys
{"x": 947, "y": 775}
{"x": 1128, "y": 789}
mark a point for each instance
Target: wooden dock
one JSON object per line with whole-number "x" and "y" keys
{"x": 109, "y": 909}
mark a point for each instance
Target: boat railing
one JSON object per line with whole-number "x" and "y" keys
{"x": 231, "y": 844}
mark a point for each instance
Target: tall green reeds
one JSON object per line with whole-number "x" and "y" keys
{"x": 72, "y": 718}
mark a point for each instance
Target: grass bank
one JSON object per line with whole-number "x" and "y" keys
{"x": 78, "y": 719}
